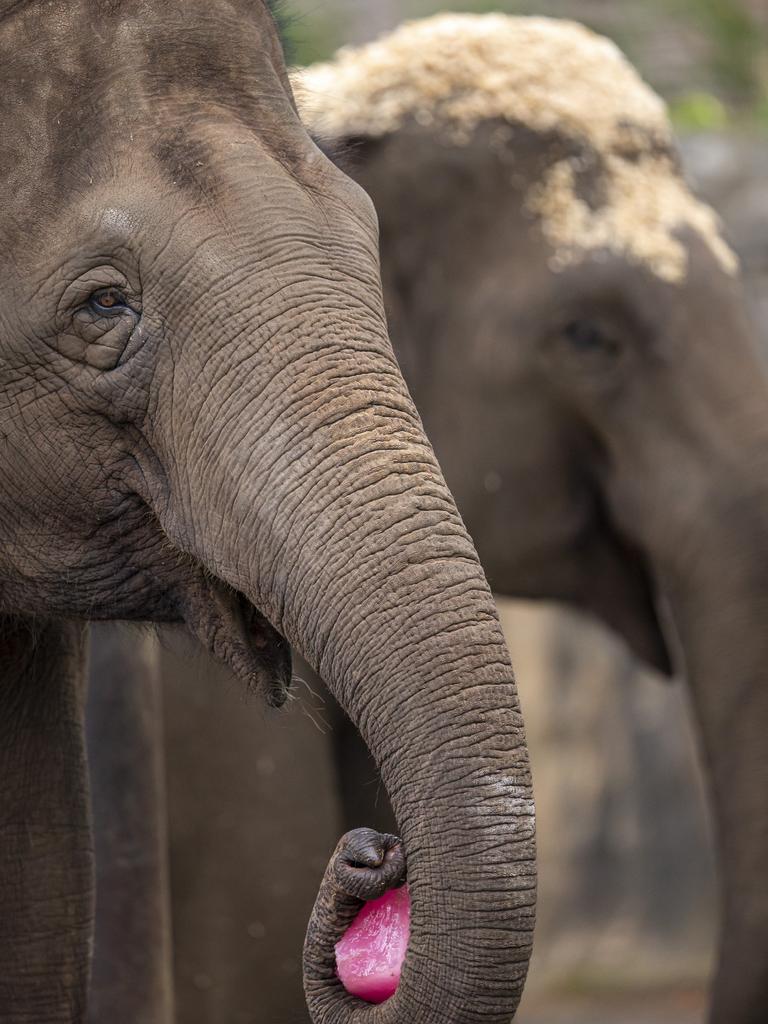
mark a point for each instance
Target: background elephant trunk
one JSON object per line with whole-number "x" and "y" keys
{"x": 716, "y": 603}
{"x": 344, "y": 535}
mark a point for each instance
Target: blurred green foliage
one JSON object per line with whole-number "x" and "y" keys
{"x": 737, "y": 45}
{"x": 314, "y": 35}
{"x": 739, "y": 58}
{"x": 699, "y": 111}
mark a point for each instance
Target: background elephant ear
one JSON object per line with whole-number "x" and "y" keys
{"x": 618, "y": 587}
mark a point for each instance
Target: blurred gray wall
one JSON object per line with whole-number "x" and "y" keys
{"x": 731, "y": 172}
{"x": 626, "y": 895}
{"x": 368, "y": 18}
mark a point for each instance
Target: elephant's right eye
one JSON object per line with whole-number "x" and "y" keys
{"x": 588, "y": 352}
{"x": 97, "y": 315}
{"x": 587, "y": 336}
{"x": 108, "y": 302}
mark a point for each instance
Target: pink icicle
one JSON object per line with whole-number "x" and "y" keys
{"x": 370, "y": 956}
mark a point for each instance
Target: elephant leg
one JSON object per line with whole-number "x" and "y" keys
{"x": 133, "y": 959}
{"x": 735, "y": 731}
{"x": 46, "y": 855}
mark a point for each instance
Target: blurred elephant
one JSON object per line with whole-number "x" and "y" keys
{"x": 570, "y": 323}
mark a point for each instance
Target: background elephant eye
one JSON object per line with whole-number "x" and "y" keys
{"x": 588, "y": 336}
{"x": 108, "y": 302}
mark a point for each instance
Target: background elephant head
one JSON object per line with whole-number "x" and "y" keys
{"x": 571, "y": 324}
{"x": 203, "y": 421}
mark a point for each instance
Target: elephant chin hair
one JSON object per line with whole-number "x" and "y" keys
{"x": 228, "y": 625}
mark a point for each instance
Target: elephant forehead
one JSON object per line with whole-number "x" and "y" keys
{"x": 644, "y": 204}
{"x": 83, "y": 78}
{"x": 456, "y": 71}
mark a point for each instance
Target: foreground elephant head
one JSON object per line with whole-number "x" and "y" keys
{"x": 572, "y": 327}
{"x": 203, "y": 421}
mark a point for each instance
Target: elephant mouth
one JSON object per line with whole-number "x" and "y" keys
{"x": 237, "y": 634}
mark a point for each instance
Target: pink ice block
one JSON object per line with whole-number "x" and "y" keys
{"x": 370, "y": 956}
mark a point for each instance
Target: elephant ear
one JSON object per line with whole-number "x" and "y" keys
{"x": 616, "y": 585}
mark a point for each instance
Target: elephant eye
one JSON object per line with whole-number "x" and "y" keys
{"x": 108, "y": 302}
{"x": 588, "y": 336}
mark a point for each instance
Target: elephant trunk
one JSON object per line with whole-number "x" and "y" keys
{"x": 364, "y": 866}
{"x": 401, "y": 625}
{"x": 424, "y": 675}
{"x": 333, "y": 519}
{"x": 447, "y": 736}
{"x": 716, "y": 586}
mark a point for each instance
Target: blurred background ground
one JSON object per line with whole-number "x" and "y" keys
{"x": 677, "y": 1007}
{"x": 627, "y": 908}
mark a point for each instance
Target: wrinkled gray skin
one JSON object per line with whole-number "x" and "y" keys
{"x": 223, "y": 438}
{"x": 615, "y": 466}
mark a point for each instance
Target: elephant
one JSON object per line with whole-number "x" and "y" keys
{"x": 559, "y": 300}
{"x": 203, "y": 422}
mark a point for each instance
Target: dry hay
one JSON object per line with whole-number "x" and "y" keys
{"x": 453, "y": 72}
